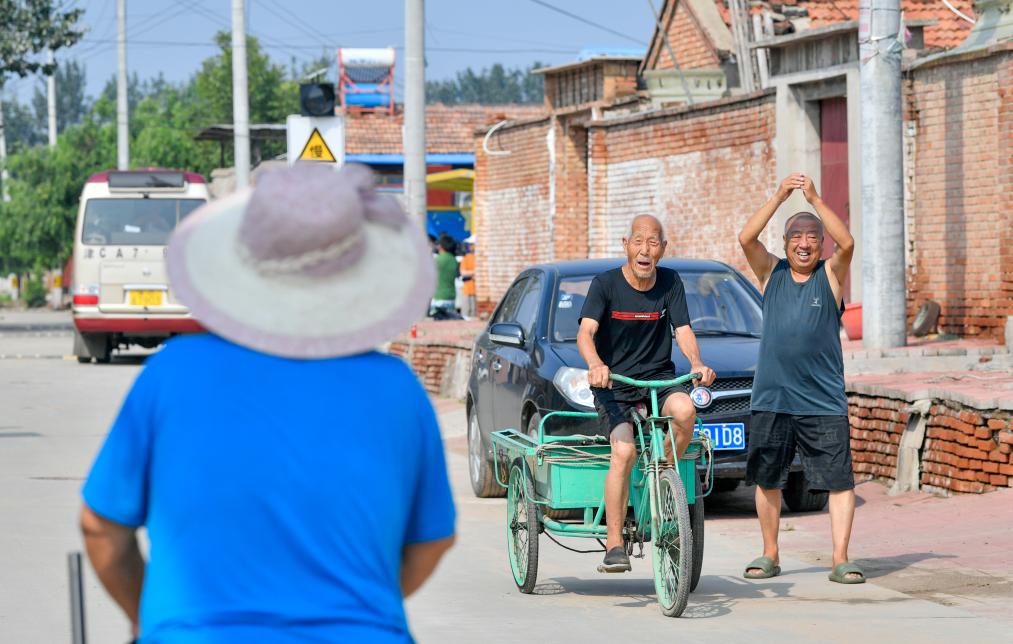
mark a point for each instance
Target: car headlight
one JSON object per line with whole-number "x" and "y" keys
{"x": 572, "y": 383}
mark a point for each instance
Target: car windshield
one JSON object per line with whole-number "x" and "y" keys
{"x": 719, "y": 303}
{"x": 134, "y": 222}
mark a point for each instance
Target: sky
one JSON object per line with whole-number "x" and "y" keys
{"x": 174, "y": 36}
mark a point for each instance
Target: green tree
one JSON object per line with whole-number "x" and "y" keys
{"x": 21, "y": 126}
{"x": 37, "y": 225}
{"x": 30, "y": 27}
{"x": 71, "y": 103}
{"x": 271, "y": 94}
{"x": 492, "y": 86}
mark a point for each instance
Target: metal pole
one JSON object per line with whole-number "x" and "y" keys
{"x": 240, "y": 96}
{"x": 740, "y": 32}
{"x": 51, "y": 91}
{"x": 415, "y": 110}
{"x": 5, "y": 194}
{"x": 122, "y": 125}
{"x": 671, "y": 53}
{"x": 78, "y": 634}
{"x": 883, "y": 290}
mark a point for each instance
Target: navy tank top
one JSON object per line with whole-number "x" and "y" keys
{"x": 800, "y": 369}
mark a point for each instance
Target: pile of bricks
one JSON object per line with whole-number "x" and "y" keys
{"x": 436, "y": 348}
{"x": 876, "y": 428}
{"x": 428, "y": 361}
{"x": 965, "y": 449}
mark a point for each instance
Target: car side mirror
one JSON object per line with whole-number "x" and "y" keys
{"x": 507, "y": 334}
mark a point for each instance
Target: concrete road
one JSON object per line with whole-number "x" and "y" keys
{"x": 472, "y": 597}
{"x": 54, "y": 414}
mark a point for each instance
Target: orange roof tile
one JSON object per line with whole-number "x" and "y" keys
{"x": 949, "y": 30}
{"x": 449, "y": 128}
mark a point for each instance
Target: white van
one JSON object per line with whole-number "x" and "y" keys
{"x": 121, "y": 293}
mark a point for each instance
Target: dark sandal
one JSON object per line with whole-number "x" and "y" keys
{"x": 766, "y": 566}
{"x": 841, "y": 571}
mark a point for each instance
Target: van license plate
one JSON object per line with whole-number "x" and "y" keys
{"x": 726, "y": 435}
{"x": 145, "y": 298}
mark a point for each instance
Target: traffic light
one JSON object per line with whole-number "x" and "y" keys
{"x": 316, "y": 99}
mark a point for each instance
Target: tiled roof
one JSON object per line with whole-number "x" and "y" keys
{"x": 949, "y": 30}
{"x": 449, "y": 128}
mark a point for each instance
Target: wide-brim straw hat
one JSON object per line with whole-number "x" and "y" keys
{"x": 311, "y": 263}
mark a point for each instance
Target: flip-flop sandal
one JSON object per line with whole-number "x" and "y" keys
{"x": 766, "y": 566}
{"x": 841, "y": 571}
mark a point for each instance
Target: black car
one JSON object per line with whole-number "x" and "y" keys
{"x": 526, "y": 364}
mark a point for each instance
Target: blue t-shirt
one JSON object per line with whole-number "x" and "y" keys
{"x": 277, "y": 494}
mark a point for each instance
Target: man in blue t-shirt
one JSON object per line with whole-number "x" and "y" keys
{"x": 292, "y": 482}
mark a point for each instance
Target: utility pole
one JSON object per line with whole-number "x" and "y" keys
{"x": 415, "y": 110}
{"x": 884, "y": 298}
{"x": 51, "y": 91}
{"x": 240, "y": 96}
{"x": 122, "y": 124}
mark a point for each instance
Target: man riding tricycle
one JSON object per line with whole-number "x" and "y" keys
{"x": 642, "y": 478}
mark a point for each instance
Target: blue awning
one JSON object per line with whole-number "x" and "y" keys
{"x": 452, "y": 158}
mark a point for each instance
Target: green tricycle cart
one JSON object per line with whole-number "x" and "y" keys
{"x": 556, "y": 486}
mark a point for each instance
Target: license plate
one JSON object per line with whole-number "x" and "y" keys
{"x": 145, "y": 298}
{"x": 726, "y": 435}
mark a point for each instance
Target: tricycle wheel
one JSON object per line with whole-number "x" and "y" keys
{"x": 523, "y": 523}
{"x": 696, "y": 524}
{"x": 673, "y": 545}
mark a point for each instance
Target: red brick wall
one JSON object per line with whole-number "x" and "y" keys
{"x": 702, "y": 172}
{"x": 511, "y": 207}
{"x": 691, "y": 47}
{"x": 959, "y": 219}
{"x": 965, "y": 450}
{"x": 570, "y": 235}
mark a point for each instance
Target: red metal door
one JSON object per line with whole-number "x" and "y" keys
{"x": 834, "y": 167}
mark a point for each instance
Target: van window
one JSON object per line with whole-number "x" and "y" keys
{"x": 134, "y": 222}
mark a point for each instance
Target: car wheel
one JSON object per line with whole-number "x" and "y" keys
{"x": 480, "y": 470}
{"x": 799, "y": 498}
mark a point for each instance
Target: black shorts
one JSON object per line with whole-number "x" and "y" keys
{"x": 614, "y": 405}
{"x": 823, "y": 443}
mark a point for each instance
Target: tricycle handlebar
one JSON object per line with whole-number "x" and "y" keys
{"x": 655, "y": 384}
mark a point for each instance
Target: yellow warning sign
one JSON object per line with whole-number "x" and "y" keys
{"x": 316, "y": 149}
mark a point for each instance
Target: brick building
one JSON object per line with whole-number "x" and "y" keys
{"x": 614, "y": 143}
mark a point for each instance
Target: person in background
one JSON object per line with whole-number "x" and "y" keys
{"x": 468, "y": 275}
{"x": 291, "y": 479}
{"x": 446, "y": 273}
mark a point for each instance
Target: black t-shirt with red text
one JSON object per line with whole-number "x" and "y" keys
{"x": 634, "y": 337}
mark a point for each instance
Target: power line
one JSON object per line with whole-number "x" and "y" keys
{"x": 271, "y": 45}
{"x": 295, "y": 21}
{"x": 584, "y": 20}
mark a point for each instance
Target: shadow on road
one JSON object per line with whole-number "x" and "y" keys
{"x": 881, "y": 566}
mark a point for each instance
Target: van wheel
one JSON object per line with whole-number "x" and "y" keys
{"x": 92, "y": 345}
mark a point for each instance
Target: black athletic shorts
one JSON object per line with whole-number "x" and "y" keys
{"x": 823, "y": 443}
{"x": 614, "y": 405}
